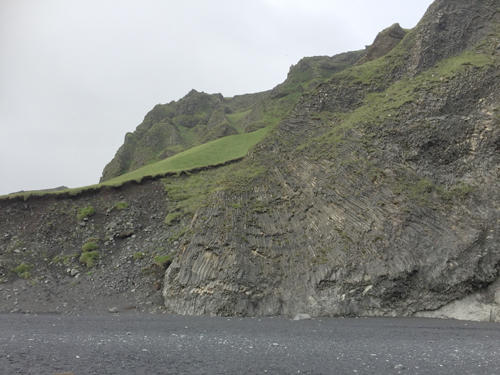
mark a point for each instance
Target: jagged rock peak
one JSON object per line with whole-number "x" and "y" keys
{"x": 385, "y": 41}
{"x": 201, "y": 96}
{"x": 394, "y": 31}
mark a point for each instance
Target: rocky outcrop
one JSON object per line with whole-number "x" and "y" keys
{"x": 313, "y": 70}
{"x": 481, "y": 306}
{"x": 385, "y": 41}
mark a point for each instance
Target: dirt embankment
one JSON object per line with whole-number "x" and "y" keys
{"x": 96, "y": 251}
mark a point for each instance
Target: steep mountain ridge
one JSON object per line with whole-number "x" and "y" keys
{"x": 377, "y": 193}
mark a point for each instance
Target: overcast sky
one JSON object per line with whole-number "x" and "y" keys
{"x": 76, "y": 75}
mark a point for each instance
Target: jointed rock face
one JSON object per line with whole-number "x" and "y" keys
{"x": 377, "y": 193}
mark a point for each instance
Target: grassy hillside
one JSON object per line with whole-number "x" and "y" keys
{"x": 199, "y": 117}
{"x": 209, "y": 154}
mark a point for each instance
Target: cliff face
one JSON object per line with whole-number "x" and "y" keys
{"x": 380, "y": 194}
{"x": 377, "y": 193}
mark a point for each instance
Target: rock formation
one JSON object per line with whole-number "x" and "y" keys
{"x": 376, "y": 194}
{"x": 379, "y": 194}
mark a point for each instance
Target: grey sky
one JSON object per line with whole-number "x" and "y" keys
{"x": 76, "y": 75}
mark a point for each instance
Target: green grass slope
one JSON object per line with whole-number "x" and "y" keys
{"x": 212, "y": 153}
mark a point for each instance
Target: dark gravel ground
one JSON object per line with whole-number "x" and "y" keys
{"x": 163, "y": 344}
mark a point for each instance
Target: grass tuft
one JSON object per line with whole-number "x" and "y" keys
{"x": 23, "y": 270}
{"x": 163, "y": 261}
{"x": 90, "y": 246}
{"x": 89, "y": 258}
{"x": 139, "y": 255}
{"x": 122, "y": 205}
{"x": 85, "y": 212}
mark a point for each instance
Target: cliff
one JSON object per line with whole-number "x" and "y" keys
{"x": 376, "y": 194}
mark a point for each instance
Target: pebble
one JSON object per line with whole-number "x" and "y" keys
{"x": 74, "y": 272}
{"x": 302, "y": 317}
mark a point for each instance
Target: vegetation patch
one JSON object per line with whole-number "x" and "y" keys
{"x": 457, "y": 192}
{"x": 23, "y": 270}
{"x": 122, "y": 205}
{"x": 85, "y": 212}
{"x": 163, "y": 261}
{"x": 90, "y": 246}
{"x": 424, "y": 191}
{"x": 65, "y": 260}
{"x": 212, "y": 153}
{"x": 173, "y": 217}
{"x": 89, "y": 258}
{"x": 138, "y": 255}
{"x": 236, "y": 119}
{"x": 187, "y": 194}
{"x": 260, "y": 207}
